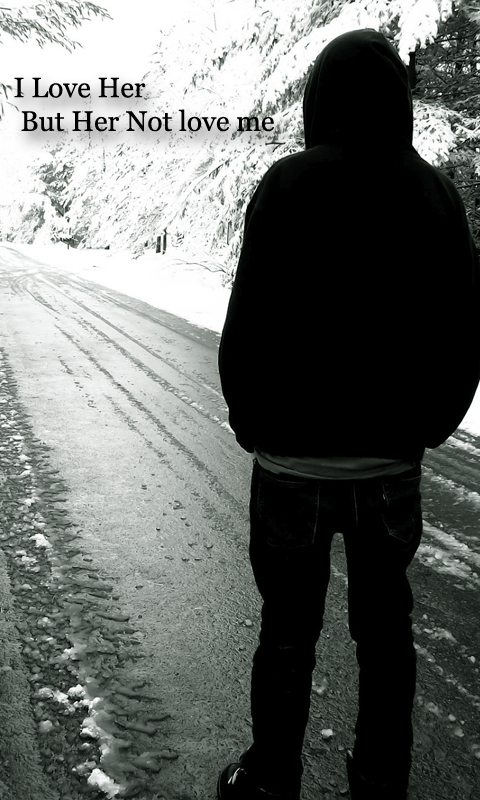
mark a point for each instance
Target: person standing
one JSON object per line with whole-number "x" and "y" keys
{"x": 351, "y": 344}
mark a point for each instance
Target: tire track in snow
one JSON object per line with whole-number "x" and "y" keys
{"x": 92, "y": 329}
{"x": 156, "y": 377}
{"x": 212, "y": 481}
{"x": 444, "y": 553}
{"x": 133, "y": 339}
{"x": 438, "y": 652}
{"x": 61, "y": 599}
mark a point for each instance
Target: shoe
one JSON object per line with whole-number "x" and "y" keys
{"x": 235, "y": 784}
{"x": 362, "y": 788}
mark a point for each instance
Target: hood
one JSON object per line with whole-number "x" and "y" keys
{"x": 358, "y": 94}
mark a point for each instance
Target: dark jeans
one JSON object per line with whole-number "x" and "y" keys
{"x": 293, "y": 521}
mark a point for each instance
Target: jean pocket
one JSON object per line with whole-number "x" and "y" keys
{"x": 402, "y": 513}
{"x": 285, "y": 510}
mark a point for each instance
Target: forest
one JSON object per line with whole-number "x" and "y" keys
{"x": 190, "y": 190}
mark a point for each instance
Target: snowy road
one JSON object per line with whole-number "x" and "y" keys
{"x": 125, "y": 534}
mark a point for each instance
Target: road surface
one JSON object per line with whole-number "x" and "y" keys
{"x": 130, "y": 611}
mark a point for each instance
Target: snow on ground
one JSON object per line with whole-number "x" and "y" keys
{"x": 187, "y": 290}
{"x": 167, "y": 282}
{"x": 471, "y": 422}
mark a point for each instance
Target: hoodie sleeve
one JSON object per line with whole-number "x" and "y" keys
{"x": 452, "y": 326}
{"x": 237, "y": 360}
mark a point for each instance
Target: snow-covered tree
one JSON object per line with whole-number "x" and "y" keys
{"x": 261, "y": 68}
{"x": 45, "y": 22}
{"x": 197, "y": 186}
{"x": 447, "y": 103}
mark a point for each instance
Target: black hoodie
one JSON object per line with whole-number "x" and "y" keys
{"x": 353, "y": 324}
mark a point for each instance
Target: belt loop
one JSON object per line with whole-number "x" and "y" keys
{"x": 384, "y": 494}
{"x": 355, "y": 505}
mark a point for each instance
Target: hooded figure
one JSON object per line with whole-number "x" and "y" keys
{"x": 351, "y": 344}
{"x": 353, "y": 324}
{"x": 358, "y": 94}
